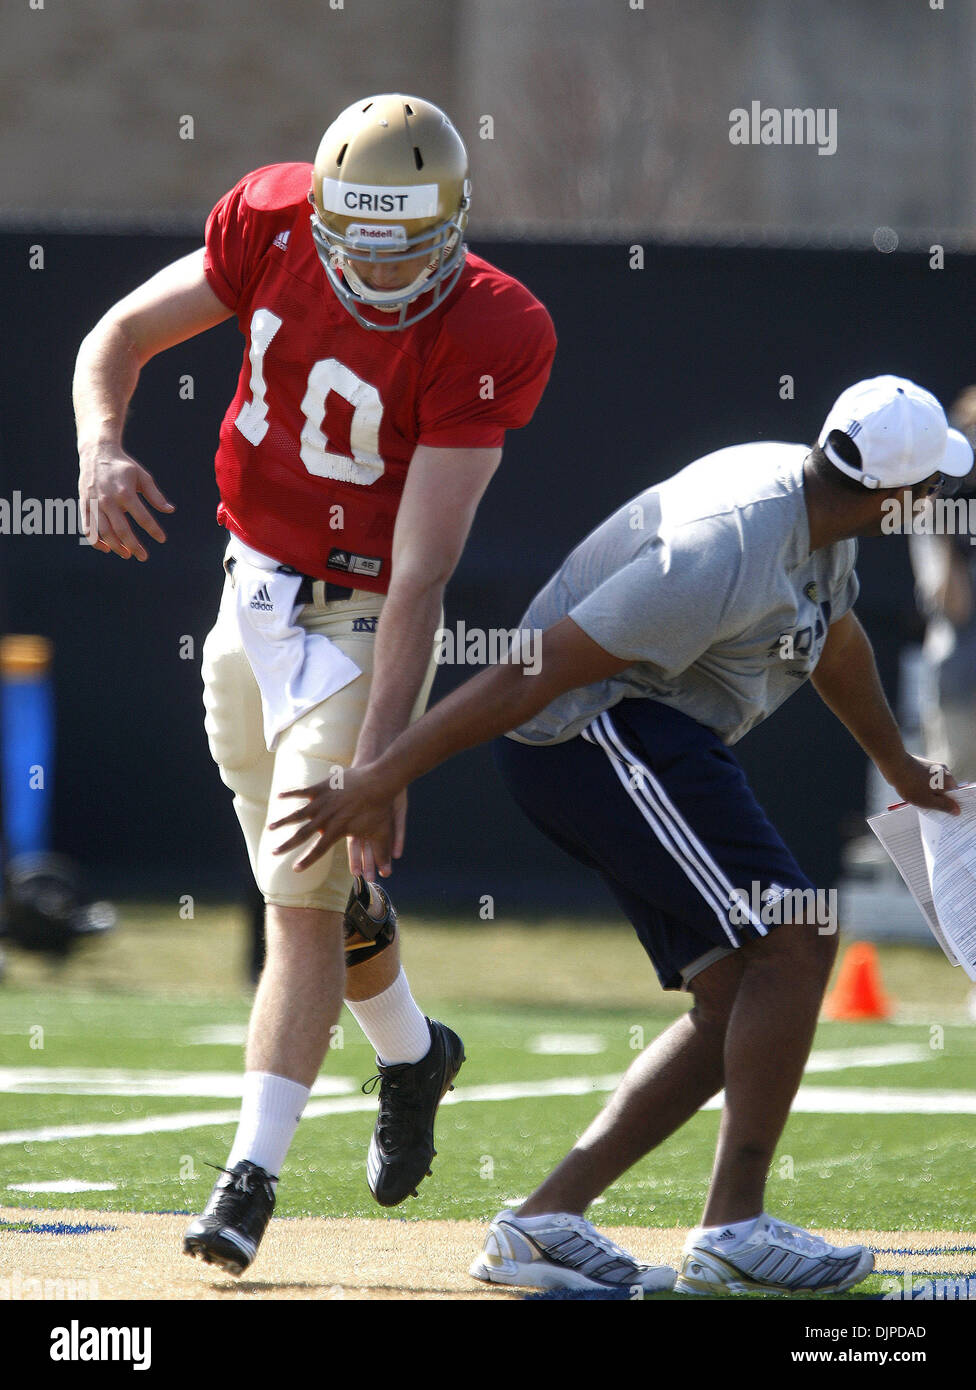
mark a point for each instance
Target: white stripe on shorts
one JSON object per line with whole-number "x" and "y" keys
{"x": 670, "y": 827}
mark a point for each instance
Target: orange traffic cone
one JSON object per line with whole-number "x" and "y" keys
{"x": 858, "y": 993}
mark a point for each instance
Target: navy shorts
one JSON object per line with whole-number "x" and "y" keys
{"x": 658, "y": 805}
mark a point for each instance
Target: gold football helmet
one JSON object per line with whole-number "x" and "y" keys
{"x": 390, "y": 185}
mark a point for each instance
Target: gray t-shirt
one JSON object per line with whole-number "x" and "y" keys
{"x": 707, "y": 585}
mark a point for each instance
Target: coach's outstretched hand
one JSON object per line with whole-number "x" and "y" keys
{"x": 923, "y": 783}
{"x": 363, "y": 807}
{"x": 111, "y": 485}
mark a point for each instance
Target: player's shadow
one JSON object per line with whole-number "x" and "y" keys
{"x": 259, "y": 1288}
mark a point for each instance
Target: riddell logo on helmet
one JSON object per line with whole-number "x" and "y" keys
{"x": 362, "y": 234}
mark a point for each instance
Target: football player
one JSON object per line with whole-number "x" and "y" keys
{"x": 383, "y": 365}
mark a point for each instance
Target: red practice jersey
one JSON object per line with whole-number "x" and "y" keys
{"x": 315, "y": 446}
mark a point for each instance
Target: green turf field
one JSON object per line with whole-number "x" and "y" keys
{"x": 145, "y": 1031}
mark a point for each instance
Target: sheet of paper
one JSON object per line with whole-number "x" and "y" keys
{"x": 900, "y": 833}
{"x": 949, "y": 845}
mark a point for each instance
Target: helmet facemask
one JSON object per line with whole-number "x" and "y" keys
{"x": 389, "y": 244}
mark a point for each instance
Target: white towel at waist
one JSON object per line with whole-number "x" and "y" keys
{"x": 294, "y": 669}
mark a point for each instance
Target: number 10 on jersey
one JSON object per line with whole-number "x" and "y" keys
{"x": 328, "y": 374}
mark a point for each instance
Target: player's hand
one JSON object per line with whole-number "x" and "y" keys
{"x": 111, "y": 486}
{"x": 365, "y": 858}
{"x": 361, "y": 808}
{"x": 923, "y": 783}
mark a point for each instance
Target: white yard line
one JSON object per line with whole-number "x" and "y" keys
{"x": 227, "y": 1085}
{"x": 98, "y": 1081}
{"x": 316, "y": 1109}
{"x": 858, "y": 1100}
{"x": 567, "y": 1044}
{"x": 62, "y": 1185}
{"x": 217, "y": 1035}
{"x": 340, "y": 1101}
{"x": 853, "y": 1100}
{"x": 887, "y": 1055}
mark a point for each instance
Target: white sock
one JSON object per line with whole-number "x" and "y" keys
{"x": 393, "y": 1024}
{"x": 741, "y": 1230}
{"x": 270, "y": 1110}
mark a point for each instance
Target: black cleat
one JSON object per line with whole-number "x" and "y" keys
{"x": 229, "y": 1231}
{"x": 402, "y": 1147}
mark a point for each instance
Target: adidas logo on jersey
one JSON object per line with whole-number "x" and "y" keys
{"x": 262, "y": 600}
{"x": 281, "y": 240}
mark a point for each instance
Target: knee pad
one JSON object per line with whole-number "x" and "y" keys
{"x": 364, "y": 936}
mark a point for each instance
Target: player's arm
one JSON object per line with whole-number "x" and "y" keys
{"x": 846, "y": 679}
{"x": 176, "y": 304}
{"x": 440, "y": 497}
{"x": 491, "y": 703}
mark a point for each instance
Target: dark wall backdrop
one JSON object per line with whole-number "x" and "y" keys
{"x": 655, "y": 367}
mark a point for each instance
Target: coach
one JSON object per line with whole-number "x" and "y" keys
{"x": 674, "y": 628}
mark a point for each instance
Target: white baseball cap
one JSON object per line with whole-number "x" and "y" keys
{"x": 900, "y": 431}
